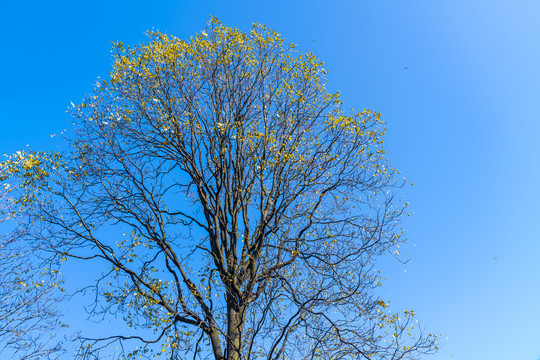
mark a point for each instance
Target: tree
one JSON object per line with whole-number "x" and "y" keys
{"x": 28, "y": 313}
{"x": 238, "y": 207}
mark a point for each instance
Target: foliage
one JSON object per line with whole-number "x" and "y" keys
{"x": 238, "y": 206}
{"x": 28, "y": 311}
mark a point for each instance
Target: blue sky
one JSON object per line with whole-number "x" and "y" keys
{"x": 458, "y": 82}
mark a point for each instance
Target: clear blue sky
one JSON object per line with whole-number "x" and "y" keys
{"x": 458, "y": 82}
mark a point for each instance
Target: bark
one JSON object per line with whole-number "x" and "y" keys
{"x": 235, "y": 328}
{"x": 216, "y": 346}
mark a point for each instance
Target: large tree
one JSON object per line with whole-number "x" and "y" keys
{"x": 238, "y": 207}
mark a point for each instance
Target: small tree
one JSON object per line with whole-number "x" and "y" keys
{"x": 239, "y": 207}
{"x": 28, "y": 313}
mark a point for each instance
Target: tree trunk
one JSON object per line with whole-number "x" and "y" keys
{"x": 234, "y": 332}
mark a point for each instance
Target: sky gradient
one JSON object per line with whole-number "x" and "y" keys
{"x": 457, "y": 81}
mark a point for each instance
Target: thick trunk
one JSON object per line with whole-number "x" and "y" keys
{"x": 234, "y": 333}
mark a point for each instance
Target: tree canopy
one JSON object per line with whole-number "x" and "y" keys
{"x": 238, "y": 207}
{"x": 28, "y": 310}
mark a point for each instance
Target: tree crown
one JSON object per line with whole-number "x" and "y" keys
{"x": 239, "y": 208}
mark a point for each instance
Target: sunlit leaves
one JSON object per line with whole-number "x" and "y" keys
{"x": 238, "y": 205}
